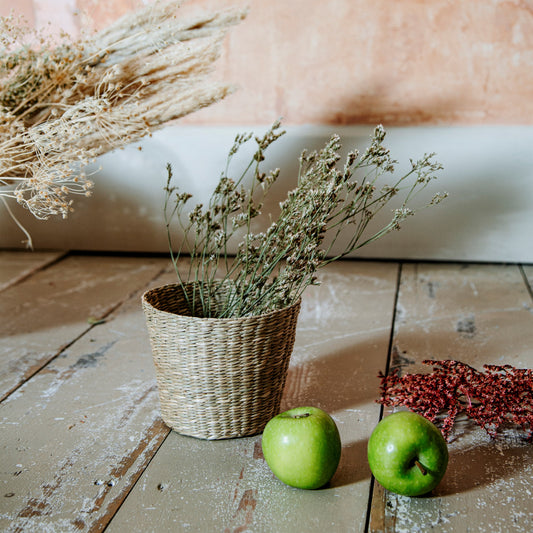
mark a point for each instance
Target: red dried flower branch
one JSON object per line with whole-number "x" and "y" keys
{"x": 500, "y": 395}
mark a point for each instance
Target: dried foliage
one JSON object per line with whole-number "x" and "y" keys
{"x": 330, "y": 205}
{"x": 499, "y": 396}
{"x": 62, "y": 105}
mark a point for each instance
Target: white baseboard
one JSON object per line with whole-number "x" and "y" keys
{"x": 488, "y": 173}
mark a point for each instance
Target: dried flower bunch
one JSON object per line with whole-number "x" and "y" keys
{"x": 499, "y": 396}
{"x": 271, "y": 269}
{"x": 62, "y": 105}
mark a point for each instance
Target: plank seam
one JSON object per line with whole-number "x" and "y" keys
{"x": 387, "y": 368}
{"x": 66, "y": 346}
{"x": 46, "y": 264}
{"x": 526, "y": 280}
{"x": 140, "y": 472}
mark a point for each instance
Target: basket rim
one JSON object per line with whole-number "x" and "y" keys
{"x": 211, "y": 319}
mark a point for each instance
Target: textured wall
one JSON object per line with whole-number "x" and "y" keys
{"x": 356, "y": 62}
{"x": 460, "y": 71}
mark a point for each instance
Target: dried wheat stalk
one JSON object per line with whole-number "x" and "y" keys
{"x": 61, "y": 106}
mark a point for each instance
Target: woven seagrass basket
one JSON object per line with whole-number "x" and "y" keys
{"x": 217, "y": 377}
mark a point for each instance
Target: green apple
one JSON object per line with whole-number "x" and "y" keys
{"x": 407, "y": 454}
{"x": 302, "y": 447}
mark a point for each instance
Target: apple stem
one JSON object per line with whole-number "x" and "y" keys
{"x": 303, "y": 415}
{"x": 421, "y": 467}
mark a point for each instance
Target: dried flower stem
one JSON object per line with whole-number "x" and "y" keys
{"x": 63, "y": 105}
{"x": 270, "y": 270}
{"x": 500, "y": 395}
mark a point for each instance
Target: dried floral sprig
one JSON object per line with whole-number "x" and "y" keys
{"x": 499, "y": 396}
{"x": 64, "y": 104}
{"x": 271, "y": 269}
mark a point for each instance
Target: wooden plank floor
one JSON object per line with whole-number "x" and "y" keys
{"x": 82, "y": 446}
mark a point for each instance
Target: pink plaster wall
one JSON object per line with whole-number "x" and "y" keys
{"x": 403, "y": 62}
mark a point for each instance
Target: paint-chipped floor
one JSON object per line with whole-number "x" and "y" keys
{"x": 82, "y": 446}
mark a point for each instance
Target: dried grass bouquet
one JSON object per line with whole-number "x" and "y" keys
{"x": 64, "y": 104}
{"x": 330, "y": 205}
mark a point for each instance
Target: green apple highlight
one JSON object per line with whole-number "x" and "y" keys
{"x": 407, "y": 454}
{"x": 302, "y": 447}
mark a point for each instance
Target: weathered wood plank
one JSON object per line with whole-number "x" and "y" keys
{"x": 475, "y": 314}
{"x": 78, "y": 434}
{"x": 49, "y": 310}
{"x": 15, "y": 266}
{"x": 341, "y": 343}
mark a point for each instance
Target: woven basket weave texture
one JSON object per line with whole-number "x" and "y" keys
{"x": 217, "y": 377}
